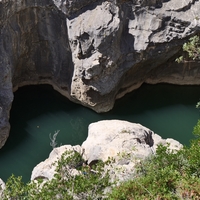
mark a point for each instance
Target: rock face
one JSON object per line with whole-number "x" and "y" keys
{"x": 46, "y": 169}
{"x": 108, "y": 138}
{"x": 2, "y": 187}
{"x": 126, "y": 142}
{"x": 93, "y": 51}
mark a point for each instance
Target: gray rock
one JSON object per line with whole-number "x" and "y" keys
{"x": 46, "y": 169}
{"x": 93, "y": 51}
{"x": 125, "y": 142}
{"x": 108, "y": 138}
{"x": 70, "y": 7}
{"x": 2, "y": 187}
{"x": 34, "y": 50}
{"x": 128, "y": 143}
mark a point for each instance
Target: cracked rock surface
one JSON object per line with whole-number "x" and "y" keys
{"x": 93, "y": 51}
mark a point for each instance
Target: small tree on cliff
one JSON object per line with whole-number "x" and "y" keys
{"x": 192, "y": 49}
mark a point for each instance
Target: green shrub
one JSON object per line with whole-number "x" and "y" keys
{"x": 166, "y": 175}
{"x": 87, "y": 183}
{"x": 192, "y": 48}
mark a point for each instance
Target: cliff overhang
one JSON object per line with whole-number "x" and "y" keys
{"x": 93, "y": 51}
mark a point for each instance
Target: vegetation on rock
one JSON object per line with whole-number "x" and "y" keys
{"x": 165, "y": 175}
{"x": 192, "y": 49}
{"x": 168, "y": 174}
{"x": 73, "y": 180}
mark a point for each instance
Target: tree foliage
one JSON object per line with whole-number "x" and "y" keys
{"x": 167, "y": 175}
{"x": 84, "y": 183}
{"x": 192, "y": 48}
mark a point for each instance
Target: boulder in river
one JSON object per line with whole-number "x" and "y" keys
{"x": 126, "y": 142}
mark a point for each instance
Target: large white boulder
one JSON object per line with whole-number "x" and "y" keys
{"x": 128, "y": 143}
{"x": 109, "y": 138}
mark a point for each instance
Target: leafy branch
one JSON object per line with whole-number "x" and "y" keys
{"x": 192, "y": 47}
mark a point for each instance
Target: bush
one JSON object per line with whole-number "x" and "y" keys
{"x": 167, "y": 175}
{"x": 192, "y": 48}
{"x": 85, "y": 183}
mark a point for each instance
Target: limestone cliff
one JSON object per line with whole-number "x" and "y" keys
{"x": 93, "y": 51}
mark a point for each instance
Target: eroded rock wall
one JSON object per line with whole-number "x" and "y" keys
{"x": 93, "y": 51}
{"x": 34, "y": 49}
{"x": 118, "y": 45}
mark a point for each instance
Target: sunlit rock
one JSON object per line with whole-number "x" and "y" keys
{"x": 2, "y": 187}
{"x": 128, "y": 143}
{"x": 125, "y": 142}
{"x": 46, "y": 169}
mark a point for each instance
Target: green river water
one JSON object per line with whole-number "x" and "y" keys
{"x": 37, "y": 111}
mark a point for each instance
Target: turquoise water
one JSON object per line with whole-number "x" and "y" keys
{"x": 38, "y": 111}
